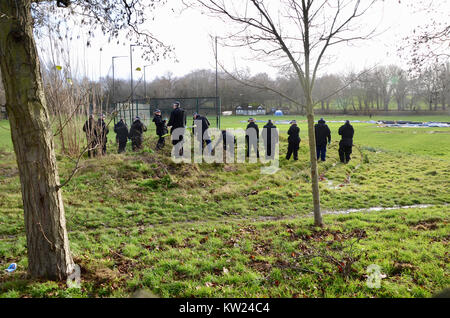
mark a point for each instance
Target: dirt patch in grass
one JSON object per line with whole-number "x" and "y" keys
{"x": 122, "y": 264}
{"x": 445, "y": 240}
{"x": 94, "y": 274}
{"x": 324, "y": 234}
{"x": 102, "y": 281}
{"x": 98, "y": 276}
{"x": 426, "y": 225}
{"x": 260, "y": 266}
{"x": 230, "y": 168}
{"x": 400, "y": 267}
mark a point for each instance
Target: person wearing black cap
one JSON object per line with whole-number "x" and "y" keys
{"x": 252, "y": 130}
{"x": 323, "y": 135}
{"x": 136, "y": 134}
{"x": 293, "y": 141}
{"x": 270, "y": 133}
{"x": 103, "y": 131}
{"x": 161, "y": 129}
{"x": 121, "y": 130}
{"x": 346, "y": 144}
{"x": 177, "y": 120}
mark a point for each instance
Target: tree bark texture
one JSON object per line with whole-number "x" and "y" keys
{"x": 47, "y": 241}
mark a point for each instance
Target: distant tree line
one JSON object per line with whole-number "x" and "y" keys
{"x": 384, "y": 88}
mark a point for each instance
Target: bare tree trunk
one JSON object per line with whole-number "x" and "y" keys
{"x": 47, "y": 241}
{"x": 314, "y": 172}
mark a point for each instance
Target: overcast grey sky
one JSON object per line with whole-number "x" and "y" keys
{"x": 188, "y": 31}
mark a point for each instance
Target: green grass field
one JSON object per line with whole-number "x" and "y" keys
{"x": 225, "y": 230}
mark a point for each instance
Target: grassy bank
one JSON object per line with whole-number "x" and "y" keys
{"x": 226, "y": 230}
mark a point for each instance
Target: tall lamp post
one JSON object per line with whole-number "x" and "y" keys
{"x": 218, "y": 110}
{"x": 131, "y": 71}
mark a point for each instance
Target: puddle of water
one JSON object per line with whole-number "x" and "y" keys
{"x": 344, "y": 212}
{"x": 410, "y": 124}
{"x": 379, "y": 208}
{"x": 335, "y": 185}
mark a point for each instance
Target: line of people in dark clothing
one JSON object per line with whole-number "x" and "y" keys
{"x": 322, "y": 136}
{"x": 135, "y": 134}
{"x": 96, "y": 133}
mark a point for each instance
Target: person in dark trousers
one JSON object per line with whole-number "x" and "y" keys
{"x": 346, "y": 144}
{"x": 323, "y": 135}
{"x": 251, "y": 130}
{"x": 293, "y": 141}
{"x": 177, "y": 120}
{"x": 227, "y": 136}
{"x": 136, "y": 134}
{"x": 203, "y": 136}
{"x": 90, "y": 128}
{"x": 161, "y": 129}
{"x": 270, "y": 137}
{"x": 102, "y": 133}
{"x": 121, "y": 130}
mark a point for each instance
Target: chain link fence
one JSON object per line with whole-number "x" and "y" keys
{"x": 144, "y": 108}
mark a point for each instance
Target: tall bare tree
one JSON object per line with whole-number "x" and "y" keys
{"x": 429, "y": 44}
{"x": 299, "y": 34}
{"x": 47, "y": 240}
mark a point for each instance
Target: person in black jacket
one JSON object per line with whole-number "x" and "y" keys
{"x": 346, "y": 144}
{"x": 177, "y": 120}
{"x": 202, "y": 135}
{"x": 293, "y": 141}
{"x": 226, "y": 137}
{"x": 161, "y": 129}
{"x": 136, "y": 134}
{"x": 102, "y": 133}
{"x": 121, "y": 130}
{"x": 323, "y": 135}
{"x": 90, "y": 128}
{"x": 270, "y": 137}
{"x": 251, "y": 130}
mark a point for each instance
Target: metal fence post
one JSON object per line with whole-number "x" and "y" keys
{"x": 137, "y": 109}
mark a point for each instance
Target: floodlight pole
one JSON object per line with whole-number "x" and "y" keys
{"x": 217, "y": 90}
{"x": 131, "y": 71}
